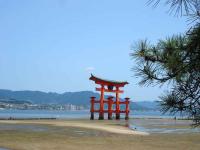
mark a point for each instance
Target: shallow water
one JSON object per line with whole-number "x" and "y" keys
{"x": 141, "y": 123}
{"x": 27, "y": 127}
{"x": 74, "y": 114}
{"x": 162, "y": 126}
{"x": 3, "y": 148}
{"x": 4, "y": 114}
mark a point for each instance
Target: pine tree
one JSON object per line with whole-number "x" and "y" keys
{"x": 175, "y": 60}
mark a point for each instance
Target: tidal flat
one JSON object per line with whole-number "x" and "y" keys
{"x": 69, "y": 135}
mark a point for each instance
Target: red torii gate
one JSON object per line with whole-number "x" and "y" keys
{"x": 109, "y": 86}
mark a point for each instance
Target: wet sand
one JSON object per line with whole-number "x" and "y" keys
{"x": 164, "y": 125}
{"x": 66, "y": 134}
{"x": 114, "y": 126}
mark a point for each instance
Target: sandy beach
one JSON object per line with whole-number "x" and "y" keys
{"x": 88, "y": 135}
{"x": 118, "y": 127}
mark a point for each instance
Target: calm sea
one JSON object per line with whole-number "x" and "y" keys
{"x": 74, "y": 114}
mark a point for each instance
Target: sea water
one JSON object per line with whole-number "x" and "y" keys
{"x": 59, "y": 114}
{"x": 22, "y": 114}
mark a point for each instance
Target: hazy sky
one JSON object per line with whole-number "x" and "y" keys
{"x": 53, "y": 45}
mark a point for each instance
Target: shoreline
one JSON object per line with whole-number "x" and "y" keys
{"x": 135, "y": 126}
{"x": 108, "y": 126}
{"x": 85, "y": 118}
{"x": 94, "y": 134}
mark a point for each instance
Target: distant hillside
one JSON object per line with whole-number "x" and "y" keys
{"x": 38, "y": 97}
{"x": 144, "y": 105}
{"x": 75, "y": 98}
{"x": 14, "y": 101}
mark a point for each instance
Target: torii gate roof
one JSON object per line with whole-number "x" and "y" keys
{"x": 108, "y": 82}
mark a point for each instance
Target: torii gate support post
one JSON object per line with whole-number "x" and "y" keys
{"x": 127, "y": 101}
{"x": 117, "y": 104}
{"x": 101, "y": 110}
{"x": 110, "y": 102}
{"x": 92, "y": 108}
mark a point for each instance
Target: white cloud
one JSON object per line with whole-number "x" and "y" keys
{"x": 89, "y": 69}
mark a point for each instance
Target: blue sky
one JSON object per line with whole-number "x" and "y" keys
{"x": 53, "y": 45}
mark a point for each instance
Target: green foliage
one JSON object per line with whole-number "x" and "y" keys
{"x": 190, "y": 8}
{"x": 175, "y": 60}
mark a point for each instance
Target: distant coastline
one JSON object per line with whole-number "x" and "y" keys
{"x": 37, "y": 100}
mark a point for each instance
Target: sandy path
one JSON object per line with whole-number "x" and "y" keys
{"x": 104, "y": 126}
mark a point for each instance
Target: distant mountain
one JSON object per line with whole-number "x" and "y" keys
{"x": 14, "y": 101}
{"x": 74, "y": 98}
{"x": 38, "y": 97}
{"x": 144, "y": 105}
